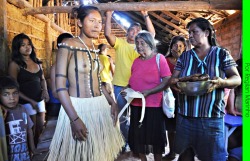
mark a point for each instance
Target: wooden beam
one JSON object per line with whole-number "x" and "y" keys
{"x": 139, "y": 20}
{"x": 149, "y": 6}
{"x": 165, "y": 28}
{"x": 20, "y": 3}
{"x": 163, "y": 33}
{"x": 160, "y": 26}
{"x": 169, "y": 23}
{"x": 176, "y": 18}
{"x": 228, "y": 19}
{"x": 4, "y": 50}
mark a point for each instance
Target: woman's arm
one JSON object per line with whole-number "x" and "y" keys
{"x": 164, "y": 84}
{"x": 232, "y": 80}
{"x": 107, "y": 29}
{"x": 45, "y": 94}
{"x": 53, "y": 80}
{"x": 114, "y": 107}
{"x": 149, "y": 24}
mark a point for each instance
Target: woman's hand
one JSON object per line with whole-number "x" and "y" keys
{"x": 144, "y": 13}
{"x": 114, "y": 112}
{"x": 45, "y": 95}
{"x": 145, "y": 93}
{"x": 109, "y": 13}
{"x": 79, "y": 130}
{"x": 173, "y": 85}
{"x": 34, "y": 105}
{"x": 123, "y": 93}
{"x": 217, "y": 82}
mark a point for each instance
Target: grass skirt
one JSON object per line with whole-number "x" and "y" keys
{"x": 104, "y": 141}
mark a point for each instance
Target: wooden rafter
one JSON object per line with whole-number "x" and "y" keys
{"x": 157, "y": 24}
{"x": 175, "y": 17}
{"x": 149, "y": 6}
{"x": 169, "y": 23}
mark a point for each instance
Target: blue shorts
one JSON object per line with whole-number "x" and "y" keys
{"x": 204, "y": 135}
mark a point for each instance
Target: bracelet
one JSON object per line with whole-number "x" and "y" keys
{"x": 146, "y": 16}
{"x": 74, "y": 120}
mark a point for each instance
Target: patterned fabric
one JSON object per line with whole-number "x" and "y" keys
{"x": 216, "y": 63}
{"x": 3, "y": 145}
{"x": 17, "y": 123}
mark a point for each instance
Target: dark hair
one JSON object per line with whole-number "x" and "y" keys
{"x": 134, "y": 24}
{"x": 100, "y": 47}
{"x": 204, "y": 24}
{"x": 7, "y": 82}
{"x": 174, "y": 40}
{"x": 63, "y": 36}
{"x": 17, "y": 56}
{"x": 148, "y": 38}
{"x": 82, "y": 11}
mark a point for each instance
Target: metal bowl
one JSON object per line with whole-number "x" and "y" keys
{"x": 194, "y": 88}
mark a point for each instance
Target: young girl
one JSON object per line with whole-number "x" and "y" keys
{"x": 176, "y": 48}
{"x": 86, "y": 128}
{"x": 27, "y": 70}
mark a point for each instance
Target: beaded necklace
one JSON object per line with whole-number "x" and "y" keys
{"x": 94, "y": 60}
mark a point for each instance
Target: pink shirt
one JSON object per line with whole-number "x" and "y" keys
{"x": 145, "y": 75}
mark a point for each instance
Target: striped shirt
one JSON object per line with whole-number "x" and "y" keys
{"x": 216, "y": 62}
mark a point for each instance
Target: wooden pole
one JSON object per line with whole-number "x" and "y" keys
{"x": 4, "y": 50}
{"x": 53, "y": 15}
{"x": 34, "y": 3}
{"x": 149, "y": 6}
{"x": 48, "y": 46}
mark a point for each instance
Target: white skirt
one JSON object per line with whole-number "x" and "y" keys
{"x": 104, "y": 140}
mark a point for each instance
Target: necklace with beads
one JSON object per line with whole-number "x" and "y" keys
{"x": 94, "y": 60}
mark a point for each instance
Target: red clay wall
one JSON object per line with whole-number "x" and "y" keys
{"x": 229, "y": 34}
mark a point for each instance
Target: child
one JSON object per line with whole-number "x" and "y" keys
{"x": 17, "y": 122}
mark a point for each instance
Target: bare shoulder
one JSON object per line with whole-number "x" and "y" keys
{"x": 14, "y": 65}
{"x": 71, "y": 41}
